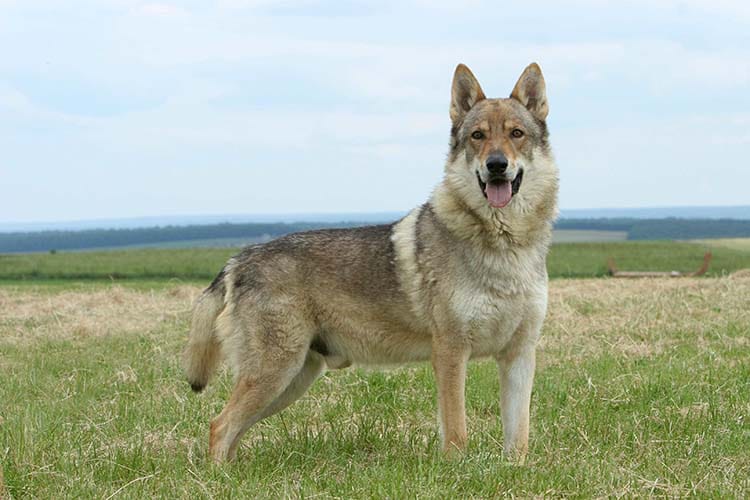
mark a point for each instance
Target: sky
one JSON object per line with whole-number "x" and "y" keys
{"x": 127, "y": 108}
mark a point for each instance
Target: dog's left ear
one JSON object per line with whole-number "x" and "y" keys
{"x": 465, "y": 93}
{"x": 531, "y": 91}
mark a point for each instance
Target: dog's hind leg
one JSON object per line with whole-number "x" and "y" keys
{"x": 311, "y": 370}
{"x": 273, "y": 367}
{"x": 251, "y": 395}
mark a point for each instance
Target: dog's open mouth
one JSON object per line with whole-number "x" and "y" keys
{"x": 499, "y": 191}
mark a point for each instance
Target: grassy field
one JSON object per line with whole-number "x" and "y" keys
{"x": 194, "y": 263}
{"x": 643, "y": 387}
{"x": 742, "y": 244}
{"x": 580, "y": 260}
{"x": 566, "y": 260}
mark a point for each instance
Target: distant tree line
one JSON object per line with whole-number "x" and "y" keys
{"x": 596, "y": 224}
{"x": 43, "y": 241}
{"x": 664, "y": 229}
{"x": 688, "y": 229}
{"x": 637, "y": 229}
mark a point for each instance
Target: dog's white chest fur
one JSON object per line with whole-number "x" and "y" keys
{"x": 488, "y": 321}
{"x": 491, "y": 310}
{"x": 481, "y": 296}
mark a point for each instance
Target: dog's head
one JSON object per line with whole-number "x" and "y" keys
{"x": 497, "y": 143}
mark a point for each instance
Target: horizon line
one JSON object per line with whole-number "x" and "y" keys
{"x": 288, "y": 217}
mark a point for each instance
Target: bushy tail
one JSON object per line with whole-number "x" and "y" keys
{"x": 202, "y": 354}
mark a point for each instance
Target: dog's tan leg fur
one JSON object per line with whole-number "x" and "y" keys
{"x": 246, "y": 401}
{"x": 253, "y": 398}
{"x": 313, "y": 367}
{"x": 516, "y": 380}
{"x": 449, "y": 364}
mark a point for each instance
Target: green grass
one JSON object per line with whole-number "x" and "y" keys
{"x": 94, "y": 416}
{"x": 60, "y": 284}
{"x": 154, "y": 264}
{"x": 74, "y": 424}
{"x": 742, "y": 244}
{"x": 582, "y": 260}
{"x": 566, "y": 260}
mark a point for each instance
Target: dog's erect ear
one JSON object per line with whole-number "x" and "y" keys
{"x": 531, "y": 92}
{"x": 465, "y": 93}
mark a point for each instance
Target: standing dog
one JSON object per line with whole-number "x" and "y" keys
{"x": 463, "y": 276}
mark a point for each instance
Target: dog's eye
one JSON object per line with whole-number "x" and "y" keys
{"x": 477, "y": 135}
{"x": 516, "y": 133}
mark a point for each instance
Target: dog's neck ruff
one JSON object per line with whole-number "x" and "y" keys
{"x": 527, "y": 220}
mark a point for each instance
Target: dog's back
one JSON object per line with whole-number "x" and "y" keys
{"x": 339, "y": 279}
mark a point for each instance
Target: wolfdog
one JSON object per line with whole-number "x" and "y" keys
{"x": 463, "y": 276}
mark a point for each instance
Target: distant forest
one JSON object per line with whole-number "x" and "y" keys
{"x": 45, "y": 241}
{"x": 664, "y": 229}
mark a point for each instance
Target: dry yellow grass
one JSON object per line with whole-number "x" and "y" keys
{"x": 641, "y": 317}
{"x": 3, "y": 493}
{"x": 742, "y": 273}
{"x": 586, "y": 317}
{"x": 26, "y": 316}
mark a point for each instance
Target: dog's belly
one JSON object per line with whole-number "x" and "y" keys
{"x": 375, "y": 347}
{"x": 487, "y": 324}
{"x": 378, "y": 346}
{"x": 374, "y": 339}
{"x": 485, "y": 318}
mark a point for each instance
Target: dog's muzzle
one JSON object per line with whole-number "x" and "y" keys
{"x": 498, "y": 190}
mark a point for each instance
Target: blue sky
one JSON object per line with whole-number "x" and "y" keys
{"x": 125, "y": 108}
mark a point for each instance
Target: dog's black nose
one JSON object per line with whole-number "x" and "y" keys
{"x": 497, "y": 164}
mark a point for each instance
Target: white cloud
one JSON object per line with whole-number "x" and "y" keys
{"x": 693, "y": 160}
{"x": 162, "y": 10}
{"x": 370, "y": 91}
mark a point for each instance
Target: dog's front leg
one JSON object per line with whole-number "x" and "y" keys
{"x": 449, "y": 363}
{"x": 516, "y": 379}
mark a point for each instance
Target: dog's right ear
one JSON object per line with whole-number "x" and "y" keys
{"x": 531, "y": 91}
{"x": 465, "y": 93}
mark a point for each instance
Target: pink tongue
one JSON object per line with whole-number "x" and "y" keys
{"x": 499, "y": 195}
